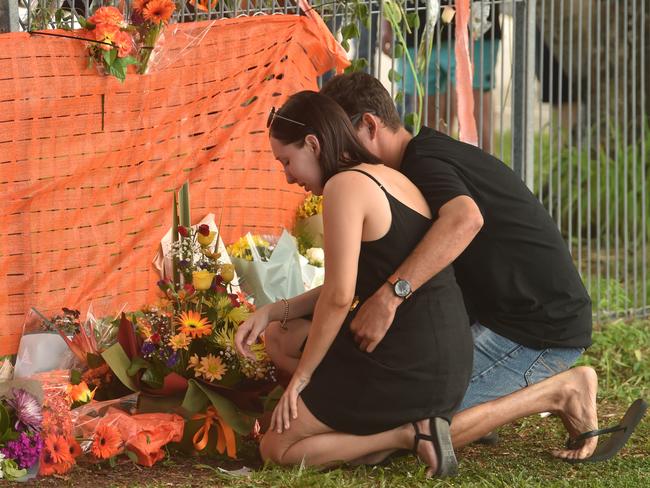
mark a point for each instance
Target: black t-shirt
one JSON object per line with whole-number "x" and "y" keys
{"x": 517, "y": 275}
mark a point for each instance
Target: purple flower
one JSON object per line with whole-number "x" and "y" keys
{"x": 184, "y": 263}
{"x": 27, "y": 410}
{"x": 172, "y": 360}
{"x": 25, "y": 450}
{"x": 147, "y": 348}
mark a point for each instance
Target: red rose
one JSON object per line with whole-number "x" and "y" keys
{"x": 234, "y": 300}
{"x": 189, "y": 288}
{"x": 204, "y": 230}
{"x": 155, "y": 338}
{"x": 183, "y": 231}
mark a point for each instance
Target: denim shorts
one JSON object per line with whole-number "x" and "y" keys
{"x": 502, "y": 366}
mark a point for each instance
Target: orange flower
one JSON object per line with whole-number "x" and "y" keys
{"x": 139, "y": 5}
{"x": 47, "y": 466}
{"x": 158, "y": 11}
{"x": 107, "y": 15}
{"x": 124, "y": 44}
{"x": 75, "y": 448}
{"x": 58, "y": 449}
{"x": 106, "y": 33}
{"x": 106, "y": 442}
{"x": 192, "y": 324}
{"x": 80, "y": 393}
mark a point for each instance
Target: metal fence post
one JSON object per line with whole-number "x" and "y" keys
{"x": 8, "y": 16}
{"x": 519, "y": 88}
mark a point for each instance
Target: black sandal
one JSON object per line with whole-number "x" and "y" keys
{"x": 441, "y": 440}
{"x": 611, "y": 446}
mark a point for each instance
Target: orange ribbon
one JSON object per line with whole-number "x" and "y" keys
{"x": 225, "y": 433}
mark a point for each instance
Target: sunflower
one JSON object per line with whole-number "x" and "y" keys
{"x": 179, "y": 341}
{"x": 212, "y": 367}
{"x": 192, "y": 324}
{"x": 58, "y": 449}
{"x": 158, "y": 11}
{"x": 106, "y": 442}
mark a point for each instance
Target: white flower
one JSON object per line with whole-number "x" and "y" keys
{"x": 316, "y": 256}
{"x": 2, "y": 456}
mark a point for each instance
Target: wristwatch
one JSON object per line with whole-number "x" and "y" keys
{"x": 401, "y": 287}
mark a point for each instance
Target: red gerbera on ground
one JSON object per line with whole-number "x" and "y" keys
{"x": 58, "y": 449}
{"x": 106, "y": 442}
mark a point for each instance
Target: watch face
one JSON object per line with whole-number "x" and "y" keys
{"x": 402, "y": 288}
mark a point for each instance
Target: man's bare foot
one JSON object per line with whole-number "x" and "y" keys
{"x": 578, "y": 410}
{"x": 425, "y": 449}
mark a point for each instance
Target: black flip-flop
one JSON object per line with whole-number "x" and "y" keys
{"x": 441, "y": 440}
{"x": 620, "y": 434}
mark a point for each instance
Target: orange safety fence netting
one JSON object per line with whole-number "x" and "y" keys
{"x": 88, "y": 165}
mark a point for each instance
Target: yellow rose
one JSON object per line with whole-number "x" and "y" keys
{"x": 202, "y": 280}
{"x": 227, "y": 272}
{"x": 80, "y": 393}
{"x": 205, "y": 241}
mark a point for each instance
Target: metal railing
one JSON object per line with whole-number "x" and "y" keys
{"x": 562, "y": 94}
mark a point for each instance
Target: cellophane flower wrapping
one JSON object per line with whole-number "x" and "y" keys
{"x": 267, "y": 281}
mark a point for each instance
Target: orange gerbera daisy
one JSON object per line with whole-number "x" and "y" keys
{"x": 75, "y": 448}
{"x": 192, "y": 324}
{"x": 106, "y": 33}
{"x": 139, "y": 5}
{"x": 107, "y": 15}
{"x": 47, "y": 466}
{"x": 58, "y": 449}
{"x": 106, "y": 442}
{"x": 124, "y": 44}
{"x": 179, "y": 341}
{"x": 158, "y": 11}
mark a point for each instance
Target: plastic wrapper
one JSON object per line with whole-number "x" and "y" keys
{"x": 312, "y": 276}
{"x": 40, "y": 350}
{"x": 109, "y": 428}
{"x": 279, "y": 277}
{"x": 183, "y": 40}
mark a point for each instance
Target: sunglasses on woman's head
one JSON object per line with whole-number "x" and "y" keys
{"x": 275, "y": 114}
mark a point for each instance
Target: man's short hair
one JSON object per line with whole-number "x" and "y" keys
{"x": 359, "y": 93}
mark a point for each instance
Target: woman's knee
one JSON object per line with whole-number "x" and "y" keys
{"x": 270, "y": 449}
{"x": 273, "y": 342}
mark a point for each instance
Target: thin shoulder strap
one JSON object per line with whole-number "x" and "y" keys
{"x": 369, "y": 176}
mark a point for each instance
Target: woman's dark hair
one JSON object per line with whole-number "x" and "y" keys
{"x": 323, "y": 117}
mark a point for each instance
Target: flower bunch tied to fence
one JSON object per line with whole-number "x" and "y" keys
{"x": 114, "y": 44}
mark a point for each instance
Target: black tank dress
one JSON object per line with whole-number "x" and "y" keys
{"x": 422, "y": 366}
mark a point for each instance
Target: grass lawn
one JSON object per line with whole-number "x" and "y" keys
{"x": 620, "y": 355}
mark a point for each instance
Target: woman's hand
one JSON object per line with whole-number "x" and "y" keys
{"x": 249, "y": 331}
{"x": 287, "y": 407}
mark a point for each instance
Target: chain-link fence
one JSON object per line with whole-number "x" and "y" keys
{"x": 560, "y": 94}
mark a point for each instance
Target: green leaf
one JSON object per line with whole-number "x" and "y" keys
{"x": 398, "y": 51}
{"x": 132, "y": 456}
{"x": 356, "y": 65}
{"x": 350, "y": 31}
{"x": 136, "y": 365}
{"x": 154, "y": 377}
{"x": 394, "y": 76}
{"x": 75, "y": 376}
{"x": 129, "y": 60}
{"x": 198, "y": 397}
{"x": 11, "y": 470}
{"x": 411, "y": 120}
{"x": 399, "y": 97}
{"x": 5, "y": 420}
{"x": 83, "y": 22}
{"x": 345, "y": 45}
{"x": 413, "y": 20}
{"x": 94, "y": 360}
{"x": 119, "y": 363}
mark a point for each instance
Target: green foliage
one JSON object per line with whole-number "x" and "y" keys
{"x": 620, "y": 354}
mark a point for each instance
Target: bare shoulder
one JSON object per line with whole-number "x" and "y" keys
{"x": 354, "y": 184}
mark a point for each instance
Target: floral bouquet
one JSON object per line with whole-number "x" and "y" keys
{"x": 111, "y": 41}
{"x": 21, "y": 443}
{"x": 309, "y": 224}
{"x": 149, "y": 19}
{"x": 189, "y": 333}
{"x": 268, "y": 273}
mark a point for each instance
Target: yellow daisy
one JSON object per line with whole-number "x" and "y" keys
{"x": 212, "y": 368}
{"x": 195, "y": 364}
{"x": 192, "y": 324}
{"x": 179, "y": 341}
